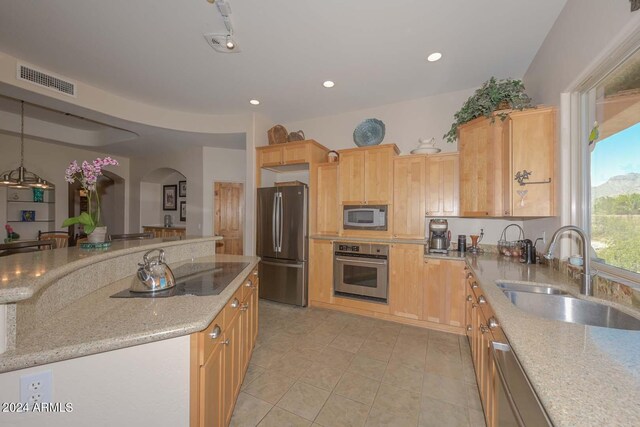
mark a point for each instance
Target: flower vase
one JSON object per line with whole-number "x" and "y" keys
{"x": 99, "y": 235}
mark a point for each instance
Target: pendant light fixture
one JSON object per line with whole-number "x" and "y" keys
{"x": 21, "y": 177}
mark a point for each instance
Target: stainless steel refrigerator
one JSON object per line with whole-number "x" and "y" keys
{"x": 282, "y": 243}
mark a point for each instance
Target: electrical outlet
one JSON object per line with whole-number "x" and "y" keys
{"x": 36, "y": 388}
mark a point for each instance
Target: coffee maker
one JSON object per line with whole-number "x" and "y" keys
{"x": 438, "y": 237}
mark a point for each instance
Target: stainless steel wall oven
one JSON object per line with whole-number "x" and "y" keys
{"x": 361, "y": 270}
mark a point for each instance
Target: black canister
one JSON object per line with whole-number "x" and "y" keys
{"x": 462, "y": 242}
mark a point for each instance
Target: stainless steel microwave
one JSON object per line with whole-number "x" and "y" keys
{"x": 368, "y": 217}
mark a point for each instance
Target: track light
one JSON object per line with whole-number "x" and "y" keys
{"x": 230, "y": 44}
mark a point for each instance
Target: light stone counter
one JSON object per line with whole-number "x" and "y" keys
{"x": 368, "y": 239}
{"x": 583, "y": 375}
{"x": 71, "y": 315}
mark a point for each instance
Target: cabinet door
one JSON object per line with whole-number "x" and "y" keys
{"x": 232, "y": 365}
{"x": 298, "y": 153}
{"x": 328, "y": 214}
{"x": 351, "y": 178}
{"x": 480, "y": 146}
{"x": 212, "y": 397}
{"x": 531, "y": 135}
{"x": 271, "y": 156}
{"x": 443, "y": 185}
{"x": 378, "y": 179}
{"x": 405, "y": 284}
{"x": 321, "y": 271}
{"x": 444, "y": 299}
{"x": 246, "y": 332}
{"x": 409, "y": 197}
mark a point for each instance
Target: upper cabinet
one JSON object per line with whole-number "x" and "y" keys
{"x": 409, "y": 196}
{"x": 443, "y": 185}
{"x": 328, "y": 213}
{"x": 366, "y": 175}
{"x": 494, "y": 158}
{"x": 530, "y": 153}
{"x": 291, "y": 153}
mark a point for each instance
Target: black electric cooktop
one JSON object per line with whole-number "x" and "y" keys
{"x": 199, "y": 279}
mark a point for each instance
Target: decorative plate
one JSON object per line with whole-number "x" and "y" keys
{"x": 369, "y": 132}
{"x": 98, "y": 245}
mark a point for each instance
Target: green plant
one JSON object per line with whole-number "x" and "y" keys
{"x": 487, "y": 100}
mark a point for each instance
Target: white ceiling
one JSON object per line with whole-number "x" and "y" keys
{"x": 375, "y": 51}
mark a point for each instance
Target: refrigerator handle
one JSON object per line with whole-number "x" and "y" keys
{"x": 273, "y": 222}
{"x": 280, "y": 219}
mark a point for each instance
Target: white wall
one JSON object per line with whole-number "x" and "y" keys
{"x": 219, "y": 165}
{"x": 583, "y": 32}
{"x": 145, "y": 385}
{"x": 150, "y": 203}
{"x": 50, "y": 161}
{"x": 405, "y": 122}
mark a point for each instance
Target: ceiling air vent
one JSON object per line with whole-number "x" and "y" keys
{"x": 46, "y": 80}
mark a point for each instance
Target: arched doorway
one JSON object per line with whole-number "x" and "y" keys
{"x": 152, "y": 211}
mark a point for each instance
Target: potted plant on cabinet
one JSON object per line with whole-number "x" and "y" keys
{"x": 493, "y": 95}
{"x": 87, "y": 175}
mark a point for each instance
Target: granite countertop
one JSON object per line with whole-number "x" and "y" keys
{"x": 97, "y": 323}
{"x": 583, "y": 375}
{"x": 369, "y": 239}
{"x": 450, "y": 255}
{"x": 173, "y": 227}
{"x": 24, "y": 274}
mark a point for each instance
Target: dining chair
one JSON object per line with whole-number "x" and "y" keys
{"x": 61, "y": 237}
{"x": 132, "y": 236}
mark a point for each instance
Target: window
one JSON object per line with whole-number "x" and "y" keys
{"x": 613, "y": 159}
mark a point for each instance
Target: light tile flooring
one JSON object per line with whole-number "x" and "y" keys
{"x": 326, "y": 368}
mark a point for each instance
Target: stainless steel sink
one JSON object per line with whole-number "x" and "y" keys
{"x": 536, "y": 289}
{"x": 573, "y": 310}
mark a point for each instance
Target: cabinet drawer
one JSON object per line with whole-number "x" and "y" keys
{"x": 232, "y": 308}
{"x": 210, "y": 338}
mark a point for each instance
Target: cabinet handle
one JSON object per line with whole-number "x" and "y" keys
{"x": 474, "y": 305}
{"x": 482, "y": 299}
{"x": 469, "y": 328}
{"x": 226, "y": 342}
{"x": 506, "y": 212}
{"x": 244, "y": 307}
{"x": 255, "y": 273}
{"x": 215, "y": 332}
{"x": 474, "y": 285}
{"x": 469, "y": 275}
{"x": 235, "y": 303}
{"x": 469, "y": 298}
{"x": 249, "y": 284}
{"x": 484, "y": 329}
{"x": 493, "y": 322}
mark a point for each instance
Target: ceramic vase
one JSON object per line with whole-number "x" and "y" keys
{"x": 98, "y": 235}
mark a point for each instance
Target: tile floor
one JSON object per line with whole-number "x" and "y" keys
{"x": 326, "y": 368}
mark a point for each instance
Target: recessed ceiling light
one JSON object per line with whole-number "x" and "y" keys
{"x": 328, "y": 83}
{"x": 254, "y": 102}
{"x": 434, "y": 57}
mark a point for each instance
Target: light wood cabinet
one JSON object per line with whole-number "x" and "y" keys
{"x": 366, "y": 175}
{"x": 444, "y": 287}
{"x": 406, "y": 288}
{"x": 220, "y": 356}
{"x": 530, "y": 146}
{"x": 271, "y": 156}
{"x": 328, "y": 213}
{"x": 480, "y": 147}
{"x": 443, "y": 185}
{"x": 409, "y": 197}
{"x": 291, "y": 153}
{"x": 321, "y": 271}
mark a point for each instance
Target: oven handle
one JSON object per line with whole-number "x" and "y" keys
{"x": 358, "y": 260}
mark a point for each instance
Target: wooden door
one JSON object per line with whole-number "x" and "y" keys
{"x": 443, "y": 185}
{"x": 351, "y": 177}
{"x": 531, "y": 136}
{"x": 328, "y": 213}
{"x": 409, "y": 197}
{"x": 378, "y": 175}
{"x": 228, "y": 215}
{"x": 444, "y": 299}
{"x": 321, "y": 274}
{"x": 212, "y": 399}
{"x": 405, "y": 285}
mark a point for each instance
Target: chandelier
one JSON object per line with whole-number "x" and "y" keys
{"x": 21, "y": 177}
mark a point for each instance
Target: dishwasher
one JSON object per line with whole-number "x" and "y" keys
{"x": 516, "y": 402}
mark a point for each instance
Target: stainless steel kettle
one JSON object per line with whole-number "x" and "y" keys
{"x": 154, "y": 274}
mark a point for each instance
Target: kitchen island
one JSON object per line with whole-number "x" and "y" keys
{"x": 116, "y": 359}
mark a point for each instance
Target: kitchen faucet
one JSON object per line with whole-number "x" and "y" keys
{"x": 586, "y": 287}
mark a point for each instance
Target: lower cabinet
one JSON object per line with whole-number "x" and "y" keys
{"x": 220, "y": 356}
{"x": 406, "y": 288}
{"x": 321, "y": 271}
{"x": 444, "y": 284}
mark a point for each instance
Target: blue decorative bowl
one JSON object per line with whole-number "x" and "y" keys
{"x": 369, "y": 132}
